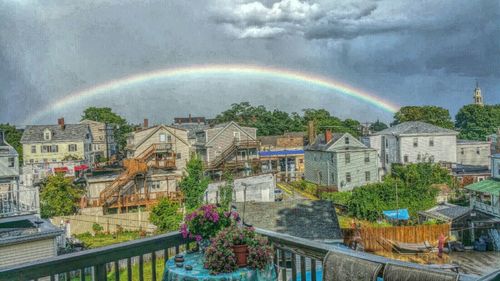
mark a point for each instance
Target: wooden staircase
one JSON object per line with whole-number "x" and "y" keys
{"x": 221, "y": 159}
{"x": 133, "y": 167}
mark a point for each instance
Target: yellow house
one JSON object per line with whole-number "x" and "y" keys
{"x": 57, "y": 143}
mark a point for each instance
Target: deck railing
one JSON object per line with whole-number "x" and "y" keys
{"x": 487, "y": 208}
{"x": 294, "y": 257}
{"x": 19, "y": 202}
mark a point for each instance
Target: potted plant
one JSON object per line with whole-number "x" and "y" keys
{"x": 219, "y": 256}
{"x": 260, "y": 253}
{"x": 240, "y": 238}
{"x": 206, "y": 222}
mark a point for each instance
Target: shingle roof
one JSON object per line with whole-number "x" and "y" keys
{"x": 320, "y": 144}
{"x": 192, "y": 128}
{"x": 446, "y": 211}
{"x": 307, "y": 219}
{"x": 416, "y": 127}
{"x": 71, "y": 132}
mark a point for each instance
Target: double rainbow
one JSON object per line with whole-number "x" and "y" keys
{"x": 215, "y": 69}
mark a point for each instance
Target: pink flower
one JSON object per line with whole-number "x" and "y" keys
{"x": 198, "y": 238}
{"x": 184, "y": 230}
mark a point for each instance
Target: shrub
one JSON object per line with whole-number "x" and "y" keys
{"x": 306, "y": 186}
{"x": 166, "y": 215}
{"x": 97, "y": 228}
{"x": 341, "y": 198}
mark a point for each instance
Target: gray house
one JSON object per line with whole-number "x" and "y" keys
{"x": 340, "y": 161}
{"x": 9, "y": 165}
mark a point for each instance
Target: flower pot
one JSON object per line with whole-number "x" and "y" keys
{"x": 241, "y": 253}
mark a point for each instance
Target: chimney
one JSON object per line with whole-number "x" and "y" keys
{"x": 328, "y": 136}
{"x": 311, "y": 134}
{"x": 2, "y": 139}
{"x": 145, "y": 124}
{"x": 60, "y": 122}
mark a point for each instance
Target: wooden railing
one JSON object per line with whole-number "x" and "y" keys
{"x": 234, "y": 147}
{"x": 22, "y": 202}
{"x": 294, "y": 257}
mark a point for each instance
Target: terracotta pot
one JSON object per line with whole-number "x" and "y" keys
{"x": 241, "y": 253}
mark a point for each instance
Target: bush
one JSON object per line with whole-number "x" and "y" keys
{"x": 166, "y": 215}
{"x": 97, "y": 228}
{"x": 306, "y": 186}
{"x": 341, "y": 198}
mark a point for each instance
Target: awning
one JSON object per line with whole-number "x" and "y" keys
{"x": 401, "y": 214}
{"x": 82, "y": 167}
{"x": 486, "y": 186}
{"x": 281, "y": 152}
{"x": 61, "y": 169}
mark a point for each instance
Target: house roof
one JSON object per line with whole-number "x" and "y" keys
{"x": 281, "y": 152}
{"x": 307, "y": 219}
{"x": 71, "y": 132}
{"x": 155, "y": 129}
{"x": 192, "y": 128}
{"x": 226, "y": 125}
{"x": 320, "y": 143}
{"x": 26, "y": 229}
{"x": 490, "y": 186}
{"x": 464, "y": 142}
{"x": 446, "y": 211}
{"x": 415, "y": 128}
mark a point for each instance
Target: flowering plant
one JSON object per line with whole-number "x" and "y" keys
{"x": 260, "y": 253}
{"x": 206, "y": 221}
{"x": 219, "y": 256}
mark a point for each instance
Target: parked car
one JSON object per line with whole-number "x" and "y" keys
{"x": 278, "y": 194}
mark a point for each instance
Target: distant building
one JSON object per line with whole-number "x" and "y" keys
{"x": 192, "y": 125}
{"x": 45, "y": 144}
{"x": 478, "y": 98}
{"x": 189, "y": 120}
{"x": 475, "y": 153}
{"x": 252, "y": 189}
{"x": 9, "y": 165}
{"x": 340, "y": 161}
{"x": 485, "y": 195}
{"x": 494, "y": 140}
{"x": 413, "y": 142}
{"x": 103, "y": 139}
{"x": 283, "y": 154}
{"x": 228, "y": 146}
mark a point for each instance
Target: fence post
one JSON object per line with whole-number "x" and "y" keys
{"x": 100, "y": 272}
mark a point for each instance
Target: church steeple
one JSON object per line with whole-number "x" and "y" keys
{"x": 478, "y": 98}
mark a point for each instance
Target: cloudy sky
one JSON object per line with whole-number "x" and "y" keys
{"x": 407, "y": 52}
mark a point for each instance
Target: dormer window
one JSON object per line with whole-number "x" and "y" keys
{"x": 47, "y": 134}
{"x": 346, "y": 140}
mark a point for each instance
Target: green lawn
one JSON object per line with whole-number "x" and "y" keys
{"x": 100, "y": 240}
{"x": 160, "y": 265}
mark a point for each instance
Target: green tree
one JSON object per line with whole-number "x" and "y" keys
{"x": 106, "y": 115}
{"x": 378, "y": 126}
{"x": 13, "y": 137}
{"x": 226, "y": 191}
{"x": 475, "y": 122}
{"x": 323, "y": 119}
{"x": 430, "y": 114}
{"x": 58, "y": 196}
{"x": 194, "y": 184}
{"x": 166, "y": 215}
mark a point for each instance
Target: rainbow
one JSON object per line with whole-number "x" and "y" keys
{"x": 214, "y": 69}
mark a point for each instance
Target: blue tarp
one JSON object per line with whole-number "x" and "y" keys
{"x": 401, "y": 214}
{"x": 281, "y": 152}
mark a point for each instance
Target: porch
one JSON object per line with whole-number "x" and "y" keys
{"x": 297, "y": 259}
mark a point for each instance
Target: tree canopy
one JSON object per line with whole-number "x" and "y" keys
{"x": 13, "y": 137}
{"x": 194, "y": 184}
{"x": 106, "y": 115}
{"x": 415, "y": 191}
{"x": 166, "y": 215}
{"x": 430, "y": 114}
{"x": 378, "y": 126}
{"x": 59, "y": 197}
{"x": 475, "y": 122}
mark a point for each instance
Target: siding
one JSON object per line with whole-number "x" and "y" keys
{"x": 225, "y": 139}
{"x": 444, "y": 148}
{"x": 467, "y": 154}
{"x": 28, "y": 251}
{"x": 63, "y": 151}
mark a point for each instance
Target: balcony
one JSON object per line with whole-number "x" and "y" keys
{"x": 19, "y": 202}
{"x": 486, "y": 208}
{"x": 296, "y": 258}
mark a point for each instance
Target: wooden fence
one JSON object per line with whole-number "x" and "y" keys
{"x": 410, "y": 234}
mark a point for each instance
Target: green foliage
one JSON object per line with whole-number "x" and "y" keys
{"x": 415, "y": 191}
{"x": 430, "y": 114}
{"x": 226, "y": 191}
{"x": 59, "y": 197}
{"x": 97, "y": 228}
{"x": 104, "y": 239}
{"x": 306, "y": 186}
{"x": 323, "y": 120}
{"x": 341, "y": 198}
{"x": 378, "y": 126}
{"x": 430, "y": 222}
{"x": 476, "y": 122}
{"x": 194, "y": 185}
{"x": 106, "y": 115}
{"x": 166, "y": 215}
{"x": 13, "y": 137}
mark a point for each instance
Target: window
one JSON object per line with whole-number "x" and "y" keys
{"x": 46, "y": 134}
{"x": 11, "y": 162}
{"x": 478, "y": 151}
{"x": 49, "y": 148}
{"x": 169, "y": 138}
{"x": 347, "y": 158}
{"x": 54, "y": 160}
{"x": 431, "y": 159}
{"x": 419, "y": 157}
{"x": 367, "y": 157}
{"x": 236, "y": 135}
{"x": 348, "y": 177}
{"x": 431, "y": 142}
{"x": 415, "y": 142}
{"x": 367, "y": 176}
{"x": 178, "y": 155}
{"x": 31, "y": 161}
{"x": 405, "y": 158}
{"x": 346, "y": 140}
{"x": 462, "y": 151}
{"x": 387, "y": 158}
{"x": 163, "y": 137}
{"x": 72, "y": 147}
{"x": 33, "y": 149}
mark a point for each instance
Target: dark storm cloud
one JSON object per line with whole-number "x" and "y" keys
{"x": 409, "y": 52}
